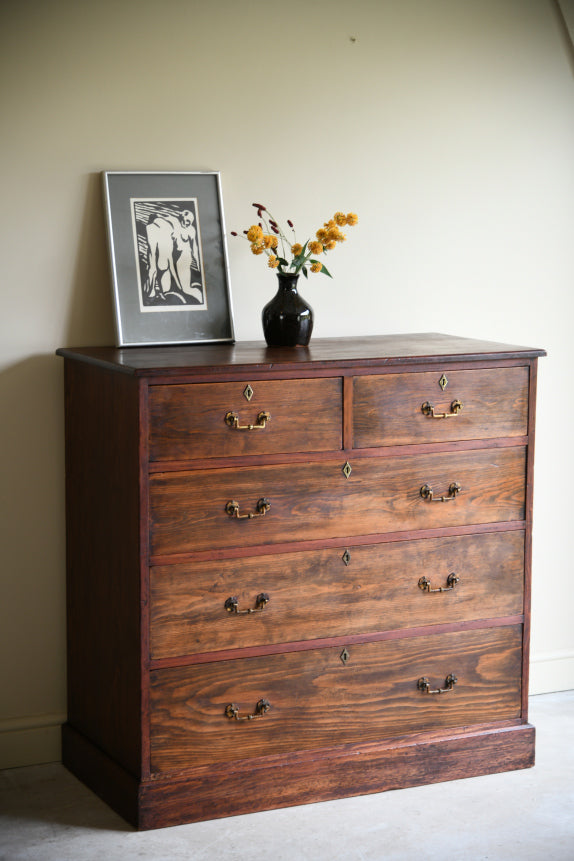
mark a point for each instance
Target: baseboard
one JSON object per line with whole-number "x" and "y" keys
{"x": 30, "y": 740}
{"x": 551, "y": 672}
{"x": 294, "y": 779}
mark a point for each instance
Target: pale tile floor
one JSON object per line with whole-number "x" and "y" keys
{"x": 47, "y": 815}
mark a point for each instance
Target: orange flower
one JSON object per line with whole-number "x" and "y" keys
{"x": 316, "y": 267}
{"x": 270, "y": 241}
{"x": 257, "y": 247}
{"x": 321, "y": 234}
{"x": 340, "y": 218}
{"x": 352, "y": 219}
{"x": 330, "y": 245}
{"x": 296, "y": 249}
{"x": 273, "y": 263}
{"x": 315, "y": 247}
{"x": 335, "y": 235}
{"x": 255, "y": 233}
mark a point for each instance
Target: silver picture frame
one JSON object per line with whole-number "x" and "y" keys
{"x": 168, "y": 254}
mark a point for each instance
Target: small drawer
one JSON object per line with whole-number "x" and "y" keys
{"x": 263, "y": 600}
{"x": 307, "y": 700}
{"x": 197, "y": 510}
{"x": 403, "y": 409}
{"x": 204, "y": 420}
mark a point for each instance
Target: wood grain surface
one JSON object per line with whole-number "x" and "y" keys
{"x": 387, "y": 409}
{"x": 317, "y": 700}
{"x": 188, "y": 421}
{"x": 316, "y": 501}
{"x": 328, "y": 593}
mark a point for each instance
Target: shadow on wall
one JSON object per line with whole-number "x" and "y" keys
{"x": 90, "y": 316}
{"x": 566, "y": 27}
{"x": 32, "y": 574}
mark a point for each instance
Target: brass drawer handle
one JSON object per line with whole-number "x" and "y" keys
{"x": 427, "y": 409}
{"x": 426, "y": 492}
{"x": 451, "y": 581}
{"x": 232, "y": 711}
{"x": 262, "y": 507}
{"x": 231, "y": 605}
{"x": 232, "y": 420}
{"x": 423, "y": 685}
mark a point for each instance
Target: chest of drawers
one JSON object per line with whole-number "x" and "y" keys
{"x": 296, "y": 574}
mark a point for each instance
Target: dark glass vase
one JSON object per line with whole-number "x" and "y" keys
{"x": 287, "y": 318}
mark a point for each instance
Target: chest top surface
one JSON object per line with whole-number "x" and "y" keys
{"x": 372, "y": 351}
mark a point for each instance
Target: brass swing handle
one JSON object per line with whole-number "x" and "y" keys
{"x": 231, "y": 605}
{"x": 427, "y": 493}
{"x": 451, "y": 581}
{"x": 232, "y": 421}
{"x": 262, "y": 507}
{"x": 423, "y": 685}
{"x": 427, "y": 409}
{"x": 232, "y": 711}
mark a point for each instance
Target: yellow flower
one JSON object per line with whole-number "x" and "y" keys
{"x": 315, "y": 247}
{"x": 335, "y": 235}
{"x": 257, "y": 247}
{"x": 296, "y": 249}
{"x": 255, "y": 233}
{"x": 330, "y": 224}
{"x": 316, "y": 267}
{"x": 321, "y": 234}
{"x": 330, "y": 245}
{"x": 270, "y": 241}
{"x": 273, "y": 263}
{"x": 340, "y": 218}
{"x": 352, "y": 218}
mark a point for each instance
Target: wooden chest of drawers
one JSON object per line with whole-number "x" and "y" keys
{"x": 296, "y": 574}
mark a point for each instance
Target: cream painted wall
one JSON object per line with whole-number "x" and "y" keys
{"x": 449, "y": 128}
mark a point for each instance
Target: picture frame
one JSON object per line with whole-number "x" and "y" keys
{"x": 168, "y": 254}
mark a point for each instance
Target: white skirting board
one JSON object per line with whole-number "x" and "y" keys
{"x": 551, "y": 672}
{"x": 30, "y": 740}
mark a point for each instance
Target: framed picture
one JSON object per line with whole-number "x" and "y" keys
{"x": 169, "y": 258}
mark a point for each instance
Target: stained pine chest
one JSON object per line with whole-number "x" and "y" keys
{"x": 296, "y": 574}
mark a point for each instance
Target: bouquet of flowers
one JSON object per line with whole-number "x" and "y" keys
{"x": 289, "y": 256}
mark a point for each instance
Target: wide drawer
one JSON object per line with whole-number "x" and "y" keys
{"x": 403, "y": 409}
{"x": 319, "y": 700}
{"x": 203, "y": 606}
{"x": 189, "y": 421}
{"x": 196, "y": 510}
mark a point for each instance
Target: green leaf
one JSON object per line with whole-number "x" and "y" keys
{"x": 305, "y": 273}
{"x": 326, "y": 271}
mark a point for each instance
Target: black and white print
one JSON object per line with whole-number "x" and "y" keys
{"x": 168, "y": 250}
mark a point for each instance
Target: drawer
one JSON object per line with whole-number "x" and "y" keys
{"x": 334, "y": 592}
{"x": 190, "y": 510}
{"x": 316, "y": 700}
{"x": 388, "y": 409}
{"x": 189, "y": 421}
